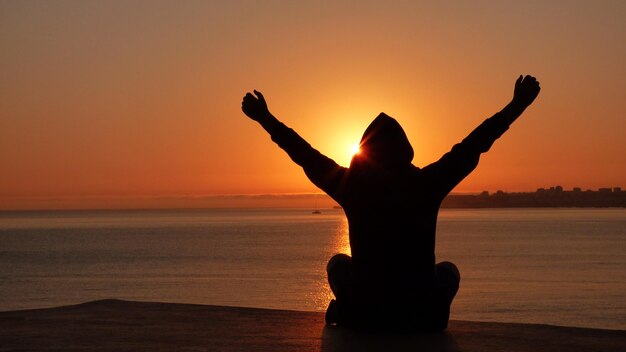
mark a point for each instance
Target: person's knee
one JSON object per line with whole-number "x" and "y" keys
{"x": 450, "y": 270}
{"x": 449, "y": 278}
{"x": 338, "y": 271}
{"x": 338, "y": 261}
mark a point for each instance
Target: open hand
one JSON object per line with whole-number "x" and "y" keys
{"x": 255, "y": 107}
{"x": 526, "y": 90}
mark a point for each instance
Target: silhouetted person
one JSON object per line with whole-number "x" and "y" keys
{"x": 391, "y": 282}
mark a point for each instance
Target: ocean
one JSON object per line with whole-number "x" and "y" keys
{"x": 550, "y": 266}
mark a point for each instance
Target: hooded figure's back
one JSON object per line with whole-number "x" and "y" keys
{"x": 391, "y": 216}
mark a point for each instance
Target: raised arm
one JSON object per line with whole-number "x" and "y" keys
{"x": 321, "y": 170}
{"x": 455, "y": 165}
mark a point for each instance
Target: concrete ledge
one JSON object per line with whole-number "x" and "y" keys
{"x": 114, "y": 325}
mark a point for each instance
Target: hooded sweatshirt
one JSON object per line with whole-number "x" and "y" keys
{"x": 390, "y": 204}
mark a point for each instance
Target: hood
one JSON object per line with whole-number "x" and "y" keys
{"x": 384, "y": 143}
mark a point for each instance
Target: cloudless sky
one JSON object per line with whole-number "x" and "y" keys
{"x": 142, "y": 98}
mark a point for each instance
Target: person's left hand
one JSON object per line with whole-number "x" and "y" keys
{"x": 255, "y": 107}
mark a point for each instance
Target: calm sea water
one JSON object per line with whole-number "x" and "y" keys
{"x": 553, "y": 266}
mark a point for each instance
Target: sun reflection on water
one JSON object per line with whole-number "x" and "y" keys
{"x": 342, "y": 241}
{"x": 339, "y": 244}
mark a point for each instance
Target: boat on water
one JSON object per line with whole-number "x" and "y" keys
{"x": 316, "y": 211}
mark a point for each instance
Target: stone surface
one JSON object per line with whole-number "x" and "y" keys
{"x": 113, "y": 325}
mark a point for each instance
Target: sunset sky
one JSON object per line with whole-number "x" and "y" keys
{"x": 103, "y": 103}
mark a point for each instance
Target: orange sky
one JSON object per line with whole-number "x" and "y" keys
{"x": 141, "y": 100}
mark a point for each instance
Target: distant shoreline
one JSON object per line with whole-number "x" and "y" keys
{"x": 553, "y": 197}
{"x": 447, "y": 205}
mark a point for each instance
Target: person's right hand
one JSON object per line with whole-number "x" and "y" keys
{"x": 255, "y": 107}
{"x": 526, "y": 90}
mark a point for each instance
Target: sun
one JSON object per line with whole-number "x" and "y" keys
{"x": 355, "y": 149}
